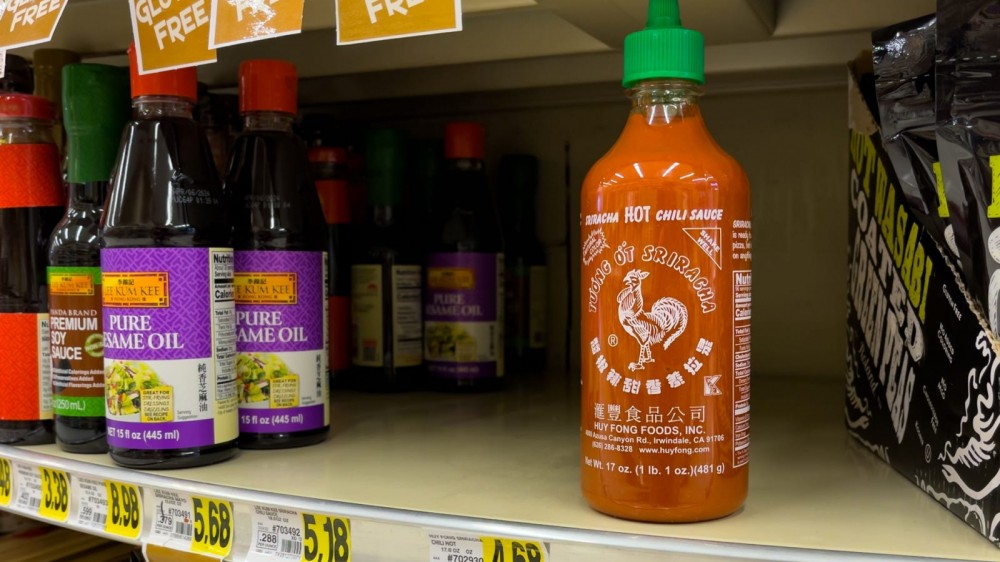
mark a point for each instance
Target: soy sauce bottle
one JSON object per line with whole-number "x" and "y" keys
{"x": 329, "y": 170}
{"x": 464, "y": 281}
{"x": 526, "y": 281}
{"x": 386, "y": 277}
{"x": 95, "y": 109}
{"x": 281, "y": 267}
{"x": 31, "y": 202}
{"x": 168, "y": 308}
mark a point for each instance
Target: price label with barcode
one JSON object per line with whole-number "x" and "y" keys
{"x": 277, "y": 534}
{"x": 173, "y": 520}
{"x": 29, "y": 488}
{"x": 454, "y": 547}
{"x": 91, "y": 503}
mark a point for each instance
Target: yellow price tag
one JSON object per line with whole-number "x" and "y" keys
{"x": 55, "y": 494}
{"x": 6, "y": 482}
{"x": 213, "y": 526}
{"x": 124, "y": 510}
{"x": 496, "y": 549}
{"x": 327, "y": 539}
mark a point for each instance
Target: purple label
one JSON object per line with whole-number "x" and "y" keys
{"x": 463, "y": 312}
{"x": 157, "y": 303}
{"x": 282, "y": 420}
{"x": 281, "y": 341}
{"x": 166, "y": 435}
{"x": 279, "y": 301}
{"x": 169, "y": 346}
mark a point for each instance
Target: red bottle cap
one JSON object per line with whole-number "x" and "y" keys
{"x": 23, "y": 105}
{"x": 464, "y": 140}
{"x": 268, "y": 85}
{"x": 328, "y": 154}
{"x": 180, "y": 83}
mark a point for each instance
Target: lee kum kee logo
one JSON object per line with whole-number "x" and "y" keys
{"x": 266, "y": 288}
{"x": 136, "y": 290}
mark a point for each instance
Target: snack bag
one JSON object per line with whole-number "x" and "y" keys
{"x": 968, "y": 140}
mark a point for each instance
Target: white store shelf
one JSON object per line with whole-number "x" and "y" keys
{"x": 506, "y": 465}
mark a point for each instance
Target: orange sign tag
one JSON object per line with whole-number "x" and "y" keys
{"x": 360, "y": 21}
{"x": 242, "y": 21}
{"x": 29, "y": 22}
{"x": 171, "y": 34}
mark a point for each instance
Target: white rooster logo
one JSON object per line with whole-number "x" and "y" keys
{"x": 664, "y": 322}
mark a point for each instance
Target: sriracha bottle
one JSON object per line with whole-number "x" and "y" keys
{"x": 665, "y": 297}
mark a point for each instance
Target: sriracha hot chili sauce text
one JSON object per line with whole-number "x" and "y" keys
{"x": 665, "y": 298}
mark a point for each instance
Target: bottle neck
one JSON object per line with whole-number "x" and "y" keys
{"x": 666, "y": 102}
{"x": 268, "y": 121}
{"x": 158, "y": 107}
{"x": 88, "y": 195}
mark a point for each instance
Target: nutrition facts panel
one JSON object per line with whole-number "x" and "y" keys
{"x": 741, "y": 368}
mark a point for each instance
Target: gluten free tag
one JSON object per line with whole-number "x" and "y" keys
{"x": 172, "y": 34}
{"x": 360, "y": 21}
{"x": 29, "y": 22}
{"x": 242, "y": 21}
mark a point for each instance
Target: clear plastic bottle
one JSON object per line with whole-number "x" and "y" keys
{"x": 31, "y": 202}
{"x": 168, "y": 308}
{"x": 665, "y": 298}
{"x": 280, "y": 240}
{"x": 95, "y": 110}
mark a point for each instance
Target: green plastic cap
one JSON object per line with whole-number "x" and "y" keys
{"x": 96, "y": 106}
{"x": 385, "y": 161}
{"x": 664, "y": 49}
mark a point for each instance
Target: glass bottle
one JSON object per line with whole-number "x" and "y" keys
{"x": 168, "y": 308}
{"x": 281, "y": 288}
{"x": 95, "y": 110}
{"x": 463, "y": 287}
{"x": 527, "y": 275}
{"x": 665, "y": 337}
{"x": 330, "y": 170}
{"x": 386, "y": 278}
{"x": 31, "y": 203}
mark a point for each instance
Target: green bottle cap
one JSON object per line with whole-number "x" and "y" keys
{"x": 96, "y": 106}
{"x": 385, "y": 161}
{"x": 664, "y": 49}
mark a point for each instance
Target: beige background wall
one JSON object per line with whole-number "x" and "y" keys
{"x": 793, "y": 145}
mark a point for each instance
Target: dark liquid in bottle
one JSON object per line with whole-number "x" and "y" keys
{"x": 388, "y": 243}
{"x": 76, "y": 243}
{"x": 24, "y": 236}
{"x": 278, "y": 209}
{"x": 163, "y": 161}
{"x": 465, "y": 221}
